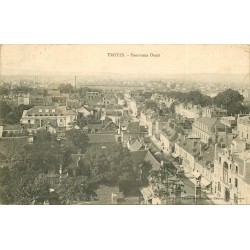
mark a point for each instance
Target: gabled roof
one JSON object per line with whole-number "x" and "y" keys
{"x": 138, "y": 156}
{"x": 133, "y": 128}
{"x": 135, "y": 146}
{"x": 102, "y": 138}
{"x": 145, "y": 155}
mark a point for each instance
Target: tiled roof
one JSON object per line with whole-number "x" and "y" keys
{"x": 102, "y": 138}
{"x": 135, "y": 146}
{"x": 138, "y": 156}
{"x": 133, "y": 128}
{"x": 144, "y": 155}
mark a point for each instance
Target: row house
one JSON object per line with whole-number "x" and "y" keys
{"x": 243, "y": 128}
{"x": 204, "y": 168}
{"x": 187, "y": 149}
{"x": 161, "y": 124}
{"x": 59, "y": 116}
{"x": 133, "y": 108}
{"x": 213, "y": 112}
{"x": 92, "y": 94}
{"x": 232, "y": 174}
{"x": 148, "y": 119}
{"x": 188, "y": 111}
{"x": 133, "y": 131}
{"x": 229, "y": 121}
{"x": 212, "y": 130}
{"x": 168, "y": 138}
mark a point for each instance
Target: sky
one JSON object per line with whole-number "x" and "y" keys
{"x": 90, "y": 59}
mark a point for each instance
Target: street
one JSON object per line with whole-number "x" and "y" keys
{"x": 188, "y": 198}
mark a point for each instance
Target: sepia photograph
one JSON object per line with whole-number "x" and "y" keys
{"x": 124, "y": 124}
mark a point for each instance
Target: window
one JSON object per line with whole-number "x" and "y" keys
{"x": 53, "y": 110}
{"x": 236, "y": 182}
{"x": 236, "y": 169}
{"x": 61, "y": 120}
{"x": 219, "y": 187}
{"x": 229, "y": 180}
{"x": 40, "y": 110}
{"x": 28, "y": 121}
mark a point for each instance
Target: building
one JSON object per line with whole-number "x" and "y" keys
{"x": 212, "y": 130}
{"x": 85, "y": 111}
{"x": 232, "y": 174}
{"x": 23, "y": 99}
{"x": 59, "y": 116}
{"x": 133, "y": 108}
{"x": 229, "y": 121}
{"x": 213, "y": 112}
{"x": 133, "y": 131}
{"x": 188, "y": 111}
{"x": 187, "y": 149}
{"x": 92, "y": 94}
{"x": 243, "y": 128}
{"x": 168, "y": 139}
{"x": 161, "y": 124}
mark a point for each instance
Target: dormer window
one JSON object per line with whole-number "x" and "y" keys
{"x": 40, "y": 110}
{"x": 47, "y": 110}
{"x": 53, "y": 110}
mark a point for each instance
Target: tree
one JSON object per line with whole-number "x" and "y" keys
{"x": 145, "y": 167}
{"x": 15, "y": 115}
{"x": 78, "y": 138}
{"x": 75, "y": 189}
{"x": 231, "y": 100}
{"x": 5, "y": 109}
{"x": 11, "y": 148}
{"x": 21, "y": 187}
{"x": 4, "y": 90}
{"x": 151, "y": 105}
{"x": 66, "y": 88}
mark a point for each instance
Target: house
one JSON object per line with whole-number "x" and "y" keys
{"x": 243, "y": 128}
{"x": 213, "y": 112}
{"x": 232, "y": 174}
{"x": 107, "y": 127}
{"x": 187, "y": 149}
{"x": 23, "y": 99}
{"x": 85, "y": 111}
{"x": 135, "y": 146}
{"x": 212, "y": 130}
{"x": 138, "y": 157}
{"x": 133, "y": 108}
{"x": 133, "y": 131}
{"x": 229, "y": 121}
{"x": 92, "y": 94}
{"x": 188, "y": 111}
{"x": 161, "y": 124}
{"x": 37, "y": 116}
{"x": 168, "y": 138}
{"x": 204, "y": 167}
{"x": 104, "y": 139}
